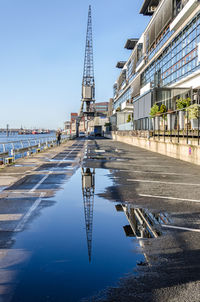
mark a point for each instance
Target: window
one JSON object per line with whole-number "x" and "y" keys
{"x": 178, "y": 59}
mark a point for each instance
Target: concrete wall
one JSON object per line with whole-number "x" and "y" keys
{"x": 189, "y": 153}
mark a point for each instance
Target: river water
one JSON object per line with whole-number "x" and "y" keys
{"x": 16, "y": 141}
{"x": 16, "y": 137}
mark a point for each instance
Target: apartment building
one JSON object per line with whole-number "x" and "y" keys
{"x": 73, "y": 121}
{"x": 67, "y": 127}
{"x": 164, "y": 64}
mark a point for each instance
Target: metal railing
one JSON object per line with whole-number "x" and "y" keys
{"x": 26, "y": 147}
{"x": 175, "y": 126}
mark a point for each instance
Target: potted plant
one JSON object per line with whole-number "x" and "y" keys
{"x": 163, "y": 110}
{"x": 170, "y": 119}
{"x": 194, "y": 114}
{"x": 155, "y": 111}
{"x": 129, "y": 118}
{"x": 182, "y": 104}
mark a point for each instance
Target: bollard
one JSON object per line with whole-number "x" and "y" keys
{"x": 9, "y": 160}
{"x": 12, "y": 152}
{"x": 29, "y": 153}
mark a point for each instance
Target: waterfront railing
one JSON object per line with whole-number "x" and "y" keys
{"x": 11, "y": 150}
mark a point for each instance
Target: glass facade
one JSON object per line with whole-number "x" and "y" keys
{"x": 168, "y": 96}
{"x": 179, "y": 59}
{"x": 126, "y": 96}
{"x": 131, "y": 70}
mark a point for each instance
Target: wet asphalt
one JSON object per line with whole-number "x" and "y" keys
{"x": 30, "y": 185}
{"x": 159, "y": 184}
{"x": 141, "y": 183}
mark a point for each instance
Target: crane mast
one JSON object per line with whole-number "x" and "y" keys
{"x": 88, "y": 187}
{"x": 88, "y": 83}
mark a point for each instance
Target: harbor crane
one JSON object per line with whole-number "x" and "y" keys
{"x": 88, "y": 83}
{"x": 88, "y": 186}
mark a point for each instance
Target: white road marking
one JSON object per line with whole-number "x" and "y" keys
{"x": 142, "y": 157}
{"x": 99, "y": 151}
{"x": 20, "y": 226}
{"x": 155, "y": 172}
{"x": 50, "y": 172}
{"x": 163, "y": 182}
{"x": 68, "y": 154}
{"x": 10, "y": 217}
{"x": 165, "y": 197}
{"x": 144, "y": 165}
{"x": 180, "y": 228}
{"x": 40, "y": 182}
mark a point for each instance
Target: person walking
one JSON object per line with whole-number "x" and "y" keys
{"x": 58, "y": 137}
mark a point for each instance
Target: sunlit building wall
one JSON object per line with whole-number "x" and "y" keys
{"x": 164, "y": 62}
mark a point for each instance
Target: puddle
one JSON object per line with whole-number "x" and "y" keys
{"x": 2, "y": 188}
{"x": 142, "y": 223}
{"x": 25, "y": 165}
{"x": 54, "y": 167}
{"x": 61, "y": 160}
{"x": 81, "y": 243}
{"x": 57, "y": 169}
{"x": 78, "y": 245}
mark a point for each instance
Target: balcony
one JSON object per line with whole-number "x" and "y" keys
{"x": 140, "y": 63}
{"x": 127, "y": 106}
{"x": 182, "y": 11}
{"x": 179, "y": 6}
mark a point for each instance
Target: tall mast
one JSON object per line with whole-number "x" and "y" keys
{"x": 88, "y": 71}
{"x": 88, "y": 84}
{"x": 88, "y": 186}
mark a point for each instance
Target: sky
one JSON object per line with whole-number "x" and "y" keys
{"x": 42, "y": 45}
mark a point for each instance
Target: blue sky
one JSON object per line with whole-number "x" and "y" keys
{"x": 42, "y": 46}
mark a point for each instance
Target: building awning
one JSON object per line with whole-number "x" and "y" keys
{"x": 130, "y": 43}
{"x": 120, "y": 64}
{"x": 148, "y": 7}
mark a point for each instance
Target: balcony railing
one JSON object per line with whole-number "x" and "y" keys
{"x": 26, "y": 147}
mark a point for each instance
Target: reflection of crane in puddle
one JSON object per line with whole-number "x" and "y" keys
{"x": 88, "y": 186}
{"x": 142, "y": 223}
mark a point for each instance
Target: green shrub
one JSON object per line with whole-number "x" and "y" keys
{"x": 129, "y": 118}
{"x": 163, "y": 108}
{"x": 154, "y": 110}
{"x": 193, "y": 111}
{"x": 183, "y": 103}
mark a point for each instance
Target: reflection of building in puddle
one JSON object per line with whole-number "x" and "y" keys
{"x": 88, "y": 186}
{"x": 142, "y": 223}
